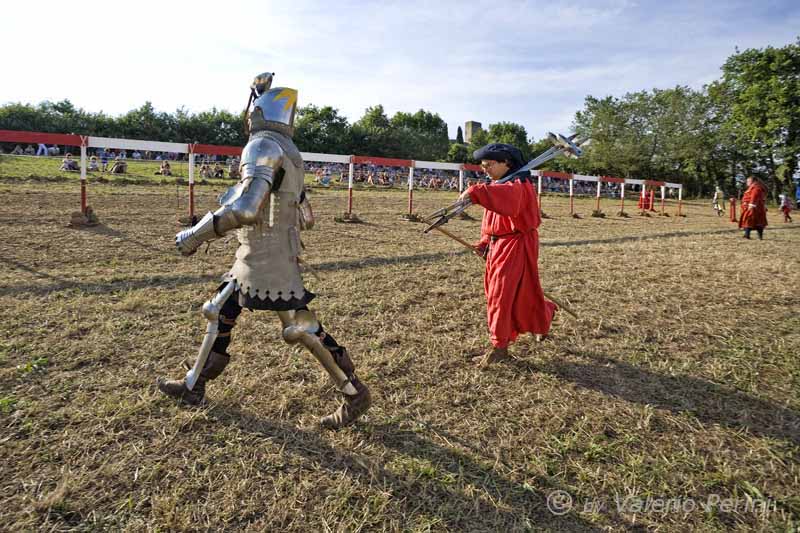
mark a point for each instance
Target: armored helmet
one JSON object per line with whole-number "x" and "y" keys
{"x": 273, "y": 108}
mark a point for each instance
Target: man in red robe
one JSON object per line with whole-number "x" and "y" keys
{"x": 754, "y": 208}
{"x": 509, "y": 241}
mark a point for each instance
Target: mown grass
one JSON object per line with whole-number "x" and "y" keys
{"x": 680, "y": 379}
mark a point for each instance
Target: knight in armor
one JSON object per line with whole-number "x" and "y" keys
{"x": 716, "y": 201}
{"x": 266, "y": 208}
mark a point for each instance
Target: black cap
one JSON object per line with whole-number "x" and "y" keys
{"x": 500, "y": 152}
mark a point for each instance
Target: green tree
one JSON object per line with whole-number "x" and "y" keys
{"x": 478, "y": 140}
{"x": 422, "y": 135}
{"x": 459, "y": 136}
{"x": 458, "y": 153}
{"x": 510, "y": 133}
{"x": 322, "y": 130}
{"x": 372, "y": 135}
{"x": 760, "y": 90}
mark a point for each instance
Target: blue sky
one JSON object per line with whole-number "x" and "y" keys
{"x": 528, "y": 62}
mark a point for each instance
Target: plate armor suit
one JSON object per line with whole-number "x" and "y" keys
{"x": 267, "y": 208}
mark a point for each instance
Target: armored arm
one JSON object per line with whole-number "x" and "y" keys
{"x": 242, "y": 205}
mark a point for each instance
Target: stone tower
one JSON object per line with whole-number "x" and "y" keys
{"x": 471, "y": 128}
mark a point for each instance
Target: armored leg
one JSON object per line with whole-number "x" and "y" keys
{"x": 221, "y": 312}
{"x": 301, "y": 326}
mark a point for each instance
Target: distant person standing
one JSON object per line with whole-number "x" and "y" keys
{"x": 716, "y": 202}
{"x": 754, "y": 208}
{"x": 41, "y": 150}
{"x": 785, "y": 207}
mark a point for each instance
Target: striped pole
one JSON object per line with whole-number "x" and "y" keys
{"x": 597, "y": 205}
{"x": 350, "y": 189}
{"x": 571, "y": 197}
{"x": 191, "y": 184}
{"x": 411, "y": 190}
{"x": 84, "y": 142}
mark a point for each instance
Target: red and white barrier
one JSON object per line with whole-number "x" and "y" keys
{"x": 209, "y": 149}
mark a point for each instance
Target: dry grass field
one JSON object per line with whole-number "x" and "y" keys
{"x": 671, "y": 404}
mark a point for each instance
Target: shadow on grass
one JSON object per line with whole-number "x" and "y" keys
{"x": 88, "y": 287}
{"x": 431, "y": 487}
{"x": 167, "y": 281}
{"x": 655, "y": 236}
{"x": 708, "y": 402}
{"x": 106, "y": 231}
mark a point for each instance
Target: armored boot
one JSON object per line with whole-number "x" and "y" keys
{"x": 177, "y": 388}
{"x": 354, "y": 405}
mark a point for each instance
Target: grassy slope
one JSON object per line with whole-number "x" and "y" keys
{"x": 679, "y": 380}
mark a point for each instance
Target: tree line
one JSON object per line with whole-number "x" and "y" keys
{"x": 745, "y": 123}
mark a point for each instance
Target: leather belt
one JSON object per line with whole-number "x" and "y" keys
{"x": 495, "y": 238}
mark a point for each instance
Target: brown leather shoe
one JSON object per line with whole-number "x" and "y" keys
{"x": 492, "y": 356}
{"x": 176, "y": 388}
{"x": 352, "y": 407}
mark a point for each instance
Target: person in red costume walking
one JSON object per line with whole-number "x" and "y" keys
{"x": 754, "y": 208}
{"x": 509, "y": 242}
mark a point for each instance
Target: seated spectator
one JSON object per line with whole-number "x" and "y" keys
{"x": 136, "y": 154}
{"x": 68, "y": 164}
{"x": 119, "y": 166}
{"x": 233, "y": 168}
{"x": 205, "y": 171}
{"x": 17, "y": 150}
{"x": 122, "y": 155}
{"x": 30, "y": 150}
{"x": 165, "y": 169}
{"x": 53, "y": 150}
{"x": 41, "y": 149}
{"x": 93, "y": 166}
{"x": 218, "y": 171}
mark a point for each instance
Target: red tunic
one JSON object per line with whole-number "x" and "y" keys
{"x": 514, "y": 299}
{"x": 754, "y": 217}
{"x": 645, "y": 202}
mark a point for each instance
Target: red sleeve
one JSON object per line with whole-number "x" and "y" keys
{"x": 504, "y": 198}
